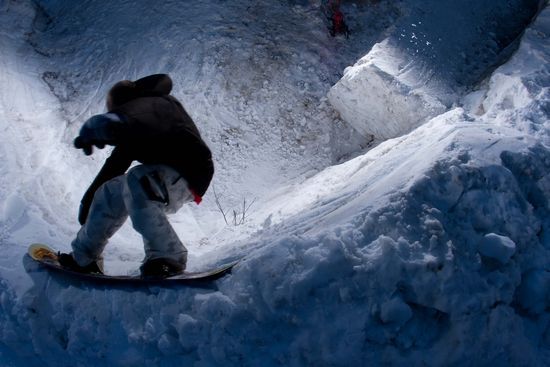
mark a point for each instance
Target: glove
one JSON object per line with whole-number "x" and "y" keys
{"x": 81, "y": 143}
{"x": 98, "y": 130}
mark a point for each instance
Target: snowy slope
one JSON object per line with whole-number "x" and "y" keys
{"x": 253, "y": 76}
{"x": 430, "y": 249}
{"x": 435, "y": 51}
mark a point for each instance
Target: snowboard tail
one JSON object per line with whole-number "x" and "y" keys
{"x": 47, "y": 257}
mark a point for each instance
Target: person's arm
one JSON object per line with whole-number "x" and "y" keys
{"x": 100, "y": 130}
{"x": 114, "y": 166}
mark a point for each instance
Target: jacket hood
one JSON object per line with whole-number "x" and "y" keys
{"x": 156, "y": 84}
{"x": 149, "y": 86}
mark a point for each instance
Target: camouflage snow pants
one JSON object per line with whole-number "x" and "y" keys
{"x": 146, "y": 193}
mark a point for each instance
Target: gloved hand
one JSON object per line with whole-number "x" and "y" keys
{"x": 98, "y": 130}
{"x": 81, "y": 143}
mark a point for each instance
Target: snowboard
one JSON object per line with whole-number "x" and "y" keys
{"x": 47, "y": 257}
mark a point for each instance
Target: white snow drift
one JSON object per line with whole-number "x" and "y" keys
{"x": 435, "y": 51}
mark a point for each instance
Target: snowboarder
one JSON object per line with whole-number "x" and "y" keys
{"x": 145, "y": 124}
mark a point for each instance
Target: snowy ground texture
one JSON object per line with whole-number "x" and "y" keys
{"x": 400, "y": 214}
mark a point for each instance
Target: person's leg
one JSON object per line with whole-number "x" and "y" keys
{"x": 151, "y": 192}
{"x": 107, "y": 214}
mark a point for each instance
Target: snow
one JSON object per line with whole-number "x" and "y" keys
{"x": 413, "y": 74}
{"x": 376, "y": 102}
{"x": 497, "y": 247}
{"x": 429, "y": 247}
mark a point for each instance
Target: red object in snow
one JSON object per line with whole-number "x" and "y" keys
{"x": 338, "y": 24}
{"x": 338, "y": 21}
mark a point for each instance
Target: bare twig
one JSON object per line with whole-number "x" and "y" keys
{"x": 238, "y": 218}
{"x": 219, "y": 205}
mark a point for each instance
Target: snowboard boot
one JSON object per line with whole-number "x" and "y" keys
{"x": 67, "y": 261}
{"x": 160, "y": 268}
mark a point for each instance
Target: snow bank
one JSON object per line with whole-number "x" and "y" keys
{"x": 390, "y": 269}
{"x": 519, "y": 91}
{"x": 436, "y": 49}
{"x": 431, "y": 249}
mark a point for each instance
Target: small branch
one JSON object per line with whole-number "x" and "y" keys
{"x": 219, "y": 205}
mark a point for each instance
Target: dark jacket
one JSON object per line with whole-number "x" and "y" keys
{"x": 156, "y": 129}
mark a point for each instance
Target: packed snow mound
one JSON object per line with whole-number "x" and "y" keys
{"x": 372, "y": 99}
{"x": 436, "y": 49}
{"x": 441, "y": 248}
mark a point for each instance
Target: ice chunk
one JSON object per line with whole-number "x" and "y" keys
{"x": 375, "y": 102}
{"x": 497, "y": 247}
